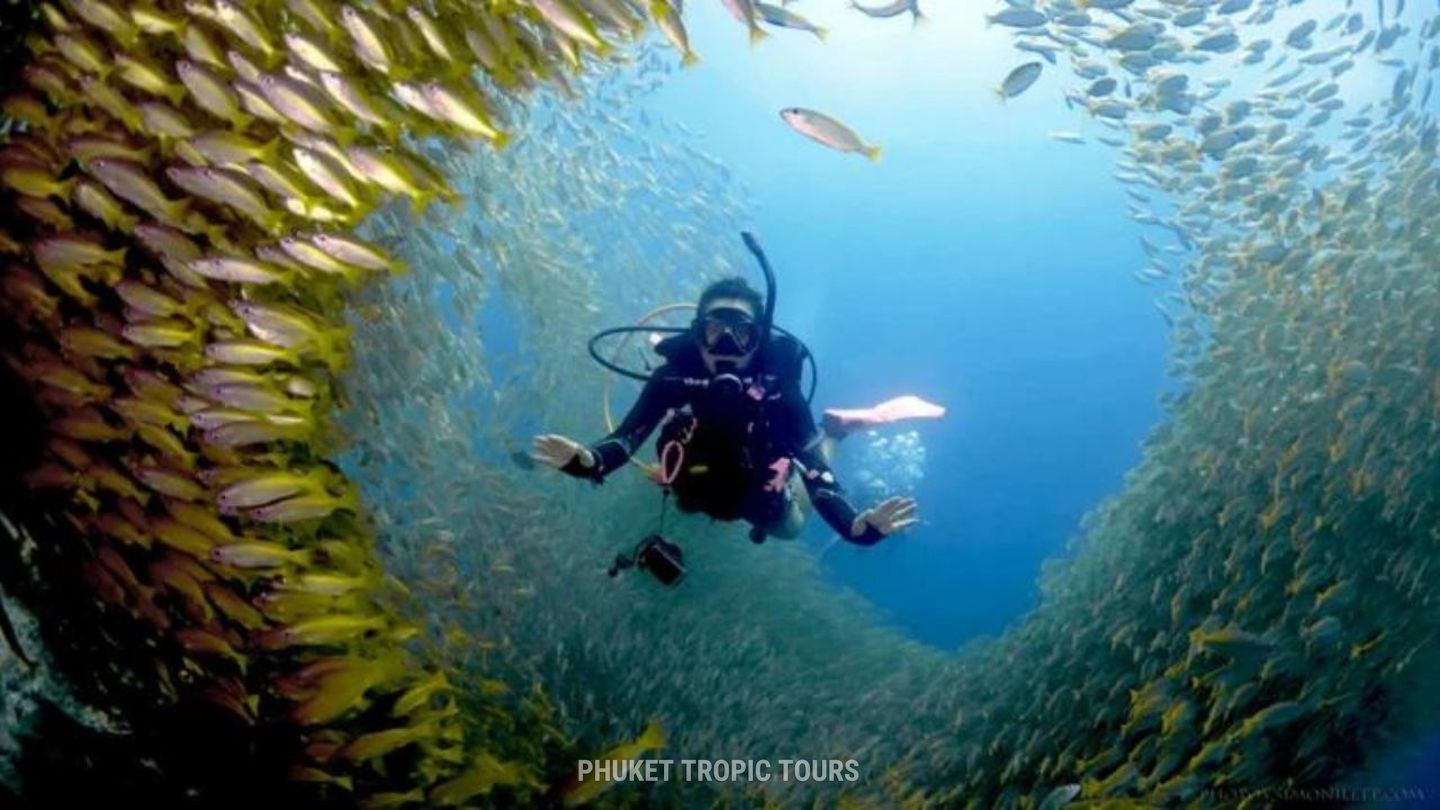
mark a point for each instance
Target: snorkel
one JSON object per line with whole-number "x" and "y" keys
{"x": 767, "y": 319}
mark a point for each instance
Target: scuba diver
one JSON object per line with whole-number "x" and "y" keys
{"x": 738, "y": 432}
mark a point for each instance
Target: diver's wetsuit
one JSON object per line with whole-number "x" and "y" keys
{"x": 739, "y": 438}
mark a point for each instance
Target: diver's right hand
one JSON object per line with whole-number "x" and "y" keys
{"x": 557, "y": 451}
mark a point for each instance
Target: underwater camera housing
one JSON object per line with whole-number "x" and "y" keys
{"x": 662, "y": 558}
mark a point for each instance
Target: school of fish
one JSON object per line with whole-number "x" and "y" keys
{"x": 1210, "y": 639}
{"x": 1253, "y": 613}
{"x": 185, "y": 284}
{"x": 182, "y": 183}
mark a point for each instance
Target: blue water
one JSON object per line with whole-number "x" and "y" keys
{"x": 980, "y": 264}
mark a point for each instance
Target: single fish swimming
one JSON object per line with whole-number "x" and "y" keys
{"x": 891, "y": 9}
{"x": 822, "y": 128}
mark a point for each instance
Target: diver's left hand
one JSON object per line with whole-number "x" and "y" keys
{"x": 888, "y": 517}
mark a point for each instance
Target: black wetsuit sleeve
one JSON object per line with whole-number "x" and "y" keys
{"x": 614, "y": 450}
{"x": 803, "y": 440}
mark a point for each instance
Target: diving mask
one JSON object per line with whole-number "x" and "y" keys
{"x": 727, "y": 331}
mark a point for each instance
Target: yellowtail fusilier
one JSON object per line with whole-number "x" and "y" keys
{"x": 287, "y": 326}
{"x": 667, "y": 19}
{"x": 235, "y": 268}
{"x": 329, "y": 175}
{"x": 35, "y": 181}
{"x": 247, "y": 352}
{"x": 238, "y": 21}
{"x": 166, "y": 334}
{"x": 129, "y": 181}
{"x": 228, "y": 188}
{"x": 302, "y": 105}
{"x": 823, "y": 129}
{"x": 322, "y": 630}
{"x": 433, "y": 31}
{"x": 211, "y": 92}
{"x": 225, "y": 147}
{"x": 368, "y": 42}
{"x": 302, "y": 508}
{"x": 484, "y": 774}
{"x": 744, "y": 13}
{"x": 312, "y": 52}
{"x": 261, "y": 487}
{"x": 584, "y": 788}
{"x": 775, "y": 15}
{"x": 97, "y": 201}
{"x": 74, "y": 251}
{"x": 393, "y": 172}
{"x": 259, "y": 554}
{"x": 166, "y": 121}
{"x": 247, "y": 430}
{"x": 148, "y": 77}
{"x": 85, "y": 148}
{"x": 350, "y": 95}
{"x": 463, "y": 107}
{"x": 355, "y": 252}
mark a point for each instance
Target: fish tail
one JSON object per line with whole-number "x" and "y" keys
{"x": 331, "y": 348}
{"x": 274, "y": 223}
{"x": 452, "y": 732}
{"x": 822, "y": 33}
{"x": 176, "y": 210}
{"x": 421, "y": 201}
{"x": 211, "y": 231}
{"x": 270, "y": 152}
{"x": 757, "y": 35}
{"x": 689, "y": 59}
{"x": 653, "y": 736}
{"x": 873, "y": 152}
{"x": 917, "y": 18}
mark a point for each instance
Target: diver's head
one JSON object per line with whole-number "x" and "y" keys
{"x": 727, "y": 325}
